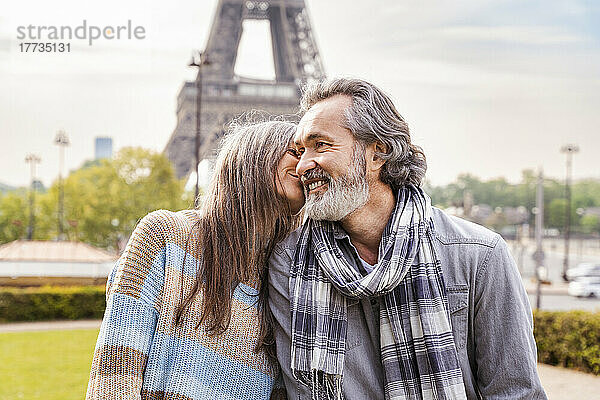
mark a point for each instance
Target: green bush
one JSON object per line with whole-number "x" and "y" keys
{"x": 568, "y": 338}
{"x": 48, "y": 303}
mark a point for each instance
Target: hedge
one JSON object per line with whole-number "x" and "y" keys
{"x": 569, "y": 339}
{"x": 50, "y": 303}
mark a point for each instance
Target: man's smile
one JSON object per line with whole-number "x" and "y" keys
{"x": 315, "y": 184}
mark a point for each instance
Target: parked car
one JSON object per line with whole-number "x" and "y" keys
{"x": 582, "y": 270}
{"x": 587, "y": 286}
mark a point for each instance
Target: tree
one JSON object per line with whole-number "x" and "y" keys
{"x": 499, "y": 192}
{"x": 555, "y": 214}
{"x": 104, "y": 200}
{"x": 14, "y": 215}
{"x": 590, "y": 224}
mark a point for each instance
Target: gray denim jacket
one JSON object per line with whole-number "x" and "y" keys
{"x": 490, "y": 314}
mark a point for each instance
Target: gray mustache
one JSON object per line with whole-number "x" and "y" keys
{"x": 316, "y": 173}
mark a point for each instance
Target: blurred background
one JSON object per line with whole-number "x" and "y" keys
{"x": 503, "y": 96}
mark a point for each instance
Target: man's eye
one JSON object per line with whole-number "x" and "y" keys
{"x": 319, "y": 145}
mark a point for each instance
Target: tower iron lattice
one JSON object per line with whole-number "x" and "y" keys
{"x": 224, "y": 95}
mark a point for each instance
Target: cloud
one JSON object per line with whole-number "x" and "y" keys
{"x": 516, "y": 35}
{"x": 489, "y": 87}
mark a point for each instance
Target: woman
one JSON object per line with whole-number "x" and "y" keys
{"x": 182, "y": 314}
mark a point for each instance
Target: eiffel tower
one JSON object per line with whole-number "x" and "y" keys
{"x": 224, "y": 95}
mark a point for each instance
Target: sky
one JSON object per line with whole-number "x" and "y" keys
{"x": 488, "y": 88}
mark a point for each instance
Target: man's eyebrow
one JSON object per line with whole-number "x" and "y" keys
{"x": 314, "y": 136}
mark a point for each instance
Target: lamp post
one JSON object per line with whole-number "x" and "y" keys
{"x": 62, "y": 140}
{"x": 538, "y": 255}
{"x": 569, "y": 150}
{"x": 32, "y": 160}
{"x": 199, "y": 59}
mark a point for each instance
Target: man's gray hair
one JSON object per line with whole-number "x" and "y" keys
{"x": 373, "y": 118}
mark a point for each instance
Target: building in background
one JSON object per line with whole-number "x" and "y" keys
{"x": 37, "y": 263}
{"x": 103, "y": 148}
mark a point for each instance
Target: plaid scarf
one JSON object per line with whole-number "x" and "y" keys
{"x": 417, "y": 346}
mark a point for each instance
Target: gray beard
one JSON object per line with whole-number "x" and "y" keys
{"x": 344, "y": 195}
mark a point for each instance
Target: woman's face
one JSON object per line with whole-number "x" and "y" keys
{"x": 288, "y": 184}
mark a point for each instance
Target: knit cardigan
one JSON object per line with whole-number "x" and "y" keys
{"x": 142, "y": 354}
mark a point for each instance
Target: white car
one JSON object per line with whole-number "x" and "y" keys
{"x": 583, "y": 270}
{"x": 588, "y": 286}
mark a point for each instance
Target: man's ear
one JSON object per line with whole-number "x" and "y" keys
{"x": 376, "y": 162}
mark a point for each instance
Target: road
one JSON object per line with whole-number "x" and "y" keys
{"x": 580, "y": 252}
{"x": 553, "y": 258}
{"x": 564, "y": 303}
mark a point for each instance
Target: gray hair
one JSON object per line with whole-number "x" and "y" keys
{"x": 372, "y": 117}
{"x": 247, "y": 159}
{"x": 242, "y": 219}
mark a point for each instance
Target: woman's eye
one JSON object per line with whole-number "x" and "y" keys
{"x": 318, "y": 145}
{"x": 294, "y": 153}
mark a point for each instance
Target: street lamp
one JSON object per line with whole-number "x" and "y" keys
{"x": 569, "y": 150}
{"x": 32, "y": 160}
{"x": 199, "y": 59}
{"x": 62, "y": 141}
{"x": 538, "y": 255}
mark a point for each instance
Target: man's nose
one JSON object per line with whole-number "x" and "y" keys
{"x": 305, "y": 163}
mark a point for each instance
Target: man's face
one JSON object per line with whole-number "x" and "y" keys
{"x": 332, "y": 163}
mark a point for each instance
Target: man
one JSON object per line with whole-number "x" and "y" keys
{"x": 379, "y": 295}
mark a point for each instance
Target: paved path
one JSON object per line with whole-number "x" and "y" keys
{"x": 556, "y": 288}
{"x": 566, "y": 384}
{"x": 559, "y": 383}
{"x": 49, "y": 326}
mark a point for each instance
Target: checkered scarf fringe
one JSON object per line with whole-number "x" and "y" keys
{"x": 417, "y": 346}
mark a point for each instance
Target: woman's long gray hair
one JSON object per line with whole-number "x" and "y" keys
{"x": 242, "y": 217}
{"x": 374, "y": 118}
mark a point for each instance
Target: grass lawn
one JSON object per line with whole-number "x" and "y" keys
{"x": 46, "y": 365}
